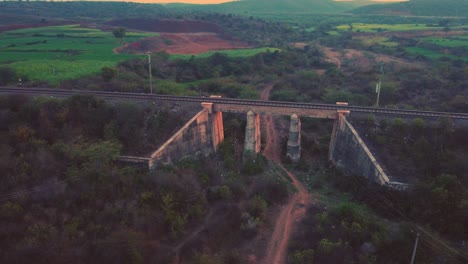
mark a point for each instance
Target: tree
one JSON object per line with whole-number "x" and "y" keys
{"x": 7, "y": 75}
{"x": 119, "y": 33}
{"x": 107, "y": 73}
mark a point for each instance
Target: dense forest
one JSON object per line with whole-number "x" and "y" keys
{"x": 62, "y": 188}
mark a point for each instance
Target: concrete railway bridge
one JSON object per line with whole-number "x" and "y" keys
{"x": 203, "y": 133}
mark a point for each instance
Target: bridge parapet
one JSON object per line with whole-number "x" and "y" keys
{"x": 275, "y": 110}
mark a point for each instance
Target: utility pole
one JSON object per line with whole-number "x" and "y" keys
{"x": 415, "y": 247}
{"x": 149, "y": 70}
{"x": 379, "y": 85}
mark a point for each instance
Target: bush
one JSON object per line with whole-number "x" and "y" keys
{"x": 224, "y": 192}
{"x": 326, "y": 246}
{"x": 253, "y": 164}
{"x": 7, "y": 76}
{"x": 258, "y": 207}
{"x": 305, "y": 256}
{"x": 107, "y": 73}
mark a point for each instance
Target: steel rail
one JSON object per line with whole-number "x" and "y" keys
{"x": 232, "y": 101}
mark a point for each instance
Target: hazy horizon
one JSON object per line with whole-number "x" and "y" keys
{"x": 224, "y": 1}
{"x": 205, "y": 1}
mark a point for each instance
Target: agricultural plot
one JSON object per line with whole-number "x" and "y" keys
{"x": 431, "y": 54}
{"x": 361, "y": 27}
{"x": 229, "y": 53}
{"x": 58, "y": 53}
{"x": 451, "y": 41}
{"x": 454, "y": 47}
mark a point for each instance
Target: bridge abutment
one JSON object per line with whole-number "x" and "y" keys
{"x": 294, "y": 139}
{"x": 349, "y": 153}
{"x": 200, "y": 136}
{"x": 252, "y": 133}
{"x": 338, "y": 126}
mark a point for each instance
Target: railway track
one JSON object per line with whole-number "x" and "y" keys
{"x": 279, "y": 104}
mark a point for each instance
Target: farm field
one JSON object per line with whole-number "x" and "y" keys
{"x": 58, "y": 53}
{"x": 452, "y": 41}
{"x": 361, "y": 27}
{"x": 229, "y": 53}
{"x": 432, "y": 54}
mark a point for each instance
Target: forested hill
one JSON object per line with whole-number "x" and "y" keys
{"x": 273, "y": 6}
{"x": 78, "y": 10}
{"x": 419, "y": 8}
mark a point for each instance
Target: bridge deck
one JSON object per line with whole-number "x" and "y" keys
{"x": 228, "y": 101}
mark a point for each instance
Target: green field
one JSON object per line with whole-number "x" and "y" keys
{"x": 361, "y": 27}
{"x": 452, "y": 41}
{"x": 58, "y": 53}
{"x": 230, "y": 53}
{"x": 432, "y": 54}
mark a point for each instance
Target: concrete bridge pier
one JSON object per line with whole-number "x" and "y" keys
{"x": 294, "y": 139}
{"x": 252, "y": 133}
{"x": 216, "y": 125}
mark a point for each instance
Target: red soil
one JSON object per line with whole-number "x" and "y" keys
{"x": 182, "y": 43}
{"x": 198, "y": 42}
{"x": 295, "y": 209}
{"x": 176, "y": 36}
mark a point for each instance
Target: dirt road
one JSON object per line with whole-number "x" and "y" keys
{"x": 294, "y": 210}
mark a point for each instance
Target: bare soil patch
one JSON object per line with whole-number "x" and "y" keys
{"x": 176, "y": 36}
{"x": 332, "y": 56}
{"x": 182, "y": 43}
{"x": 364, "y": 60}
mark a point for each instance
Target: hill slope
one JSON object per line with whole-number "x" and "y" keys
{"x": 273, "y": 6}
{"x": 419, "y": 8}
{"x": 77, "y": 10}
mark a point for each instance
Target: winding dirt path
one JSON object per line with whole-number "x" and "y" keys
{"x": 295, "y": 209}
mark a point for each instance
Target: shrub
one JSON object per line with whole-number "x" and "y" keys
{"x": 258, "y": 207}
{"x": 107, "y": 73}
{"x": 326, "y": 246}
{"x": 305, "y": 256}
{"x": 224, "y": 192}
{"x": 253, "y": 164}
{"x": 7, "y": 76}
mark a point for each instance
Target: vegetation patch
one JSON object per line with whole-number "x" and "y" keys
{"x": 229, "y": 53}
{"x": 58, "y": 53}
{"x": 362, "y": 27}
{"x": 431, "y": 54}
{"x": 452, "y": 41}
